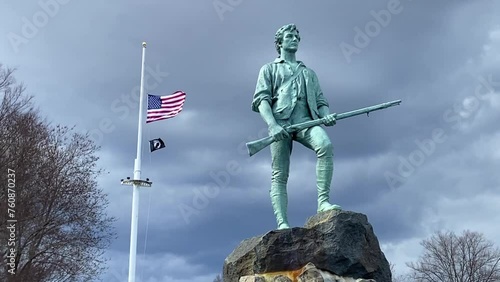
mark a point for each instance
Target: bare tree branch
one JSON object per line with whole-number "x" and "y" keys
{"x": 62, "y": 229}
{"x": 451, "y": 258}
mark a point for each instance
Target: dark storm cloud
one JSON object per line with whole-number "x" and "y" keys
{"x": 83, "y": 66}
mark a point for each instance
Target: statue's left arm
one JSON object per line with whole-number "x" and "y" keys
{"x": 322, "y": 103}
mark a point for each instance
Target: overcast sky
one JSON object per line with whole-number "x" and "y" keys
{"x": 429, "y": 164}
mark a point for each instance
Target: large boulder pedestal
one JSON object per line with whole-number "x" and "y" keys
{"x": 332, "y": 246}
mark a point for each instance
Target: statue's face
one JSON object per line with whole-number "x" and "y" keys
{"x": 290, "y": 41}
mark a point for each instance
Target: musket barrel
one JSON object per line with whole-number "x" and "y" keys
{"x": 255, "y": 146}
{"x": 368, "y": 109}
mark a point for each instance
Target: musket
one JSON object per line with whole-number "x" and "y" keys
{"x": 257, "y": 145}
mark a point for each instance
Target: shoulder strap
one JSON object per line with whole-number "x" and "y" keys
{"x": 300, "y": 69}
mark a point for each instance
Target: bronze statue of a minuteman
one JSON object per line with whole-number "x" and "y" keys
{"x": 288, "y": 92}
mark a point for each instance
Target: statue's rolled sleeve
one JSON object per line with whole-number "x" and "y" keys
{"x": 263, "y": 89}
{"x": 320, "y": 98}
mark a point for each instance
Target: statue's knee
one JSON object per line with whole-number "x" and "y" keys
{"x": 325, "y": 149}
{"x": 279, "y": 176}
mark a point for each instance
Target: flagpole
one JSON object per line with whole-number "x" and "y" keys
{"x": 137, "y": 182}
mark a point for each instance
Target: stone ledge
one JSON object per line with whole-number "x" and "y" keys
{"x": 308, "y": 273}
{"x": 341, "y": 243}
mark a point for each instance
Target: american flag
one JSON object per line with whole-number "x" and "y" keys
{"x": 163, "y": 107}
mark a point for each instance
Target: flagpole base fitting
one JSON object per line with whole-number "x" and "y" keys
{"x": 138, "y": 182}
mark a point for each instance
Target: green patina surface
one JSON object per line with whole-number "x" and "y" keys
{"x": 288, "y": 92}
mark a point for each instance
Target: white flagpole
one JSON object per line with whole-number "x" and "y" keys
{"x": 137, "y": 182}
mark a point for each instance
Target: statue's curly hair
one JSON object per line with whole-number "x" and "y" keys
{"x": 278, "y": 38}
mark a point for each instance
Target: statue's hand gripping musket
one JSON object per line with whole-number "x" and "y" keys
{"x": 257, "y": 145}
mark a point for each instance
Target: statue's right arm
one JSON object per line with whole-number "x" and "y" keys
{"x": 267, "y": 113}
{"x": 263, "y": 96}
{"x": 262, "y": 103}
{"x": 275, "y": 130}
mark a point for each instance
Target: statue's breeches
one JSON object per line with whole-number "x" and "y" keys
{"x": 314, "y": 138}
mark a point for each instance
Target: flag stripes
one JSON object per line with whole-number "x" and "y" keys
{"x": 163, "y": 107}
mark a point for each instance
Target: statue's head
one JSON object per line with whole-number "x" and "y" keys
{"x": 278, "y": 38}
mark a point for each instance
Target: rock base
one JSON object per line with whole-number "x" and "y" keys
{"x": 331, "y": 245}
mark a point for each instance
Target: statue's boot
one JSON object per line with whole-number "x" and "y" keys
{"x": 324, "y": 173}
{"x": 279, "y": 199}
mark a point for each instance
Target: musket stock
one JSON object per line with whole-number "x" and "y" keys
{"x": 256, "y": 146}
